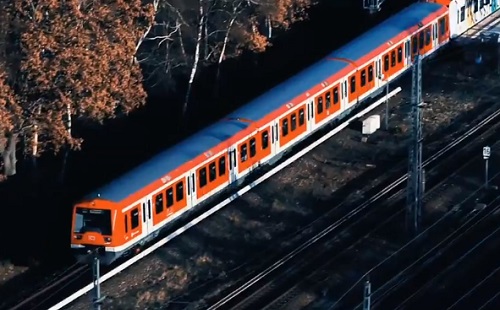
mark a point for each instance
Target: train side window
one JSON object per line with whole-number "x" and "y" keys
{"x": 462, "y": 12}
{"x": 442, "y": 27}
{"x": 253, "y": 147}
{"x": 243, "y": 153}
{"x": 414, "y": 45}
{"x": 212, "y": 172}
{"x": 336, "y": 95}
{"x": 284, "y": 127}
{"x": 427, "y": 37}
{"x": 320, "y": 105}
{"x": 179, "y": 191}
{"x": 486, "y": 2}
{"x": 134, "y": 218}
{"x": 301, "y": 117}
{"x": 421, "y": 40}
{"x": 159, "y": 203}
{"x": 126, "y": 223}
{"x": 400, "y": 54}
{"x": 370, "y": 73}
{"x": 353, "y": 84}
{"x": 481, "y": 5}
{"x": 393, "y": 58}
{"x": 265, "y": 140}
{"x": 476, "y": 6}
{"x": 170, "y": 196}
{"x": 293, "y": 122}
{"x": 202, "y": 175}
{"x": 222, "y": 166}
{"x": 386, "y": 63}
{"x": 363, "y": 78}
{"x": 328, "y": 100}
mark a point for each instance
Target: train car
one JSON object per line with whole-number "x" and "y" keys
{"x": 131, "y": 210}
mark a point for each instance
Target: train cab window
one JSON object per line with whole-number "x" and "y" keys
{"x": 427, "y": 37}
{"x": 293, "y": 122}
{"x": 353, "y": 84}
{"x": 336, "y": 95}
{"x": 363, "y": 78}
{"x": 328, "y": 100}
{"x": 284, "y": 127}
{"x": 170, "y": 196}
{"x": 212, "y": 172}
{"x": 476, "y": 6}
{"x": 159, "y": 203}
{"x": 320, "y": 105}
{"x": 202, "y": 175}
{"x": 386, "y": 63}
{"x": 126, "y": 223}
{"x": 301, "y": 117}
{"x": 253, "y": 147}
{"x": 134, "y": 218}
{"x": 222, "y": 166}
{"x": 462, "y": 12}
{"x": 179, "y": 191}
{"x": 265, "y": 140}
{"x": 414, "y": 45}
{"x": 370, "y": 73}
{"x": 393, "y": 58}
{"x": 400, "y": 54}
{"x": 243, "y": 153}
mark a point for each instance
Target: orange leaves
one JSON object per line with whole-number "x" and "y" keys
{"x": 78, "y": 62}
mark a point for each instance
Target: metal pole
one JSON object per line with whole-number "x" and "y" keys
{"x": 367, "y": 295}
{"x": 486, "y": 173}
{"x": 415, "y": 176}
{"x": 387, "y": 107}
{"x": 486, "y": 156}
{"x": 98, "y": 299}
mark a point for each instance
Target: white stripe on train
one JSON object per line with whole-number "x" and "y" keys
{"x": 224, "y": 203}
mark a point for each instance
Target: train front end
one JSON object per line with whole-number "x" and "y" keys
{"x": 92, "y": 231}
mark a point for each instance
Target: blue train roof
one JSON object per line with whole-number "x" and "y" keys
{"x": 167, "y": 161}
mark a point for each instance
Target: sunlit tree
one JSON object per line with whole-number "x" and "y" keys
{"x": 70, "y": 60}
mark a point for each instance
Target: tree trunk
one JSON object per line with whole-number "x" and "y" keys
{"x": 66, "y": 150}
{"x": 221, "y": 58}
{"x": 196, "y": 60}
{"x": 8, "y": 151}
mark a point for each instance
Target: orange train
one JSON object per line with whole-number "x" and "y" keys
{"x": 132, "y": 210}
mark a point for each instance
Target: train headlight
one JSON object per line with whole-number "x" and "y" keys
{"x": 107, "y": 239}
{"x": 78, "y": 237}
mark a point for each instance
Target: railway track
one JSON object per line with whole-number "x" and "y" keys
{"x": 282, "y": 281}
{"x": 46, "y": 294}
{"x": 478, "y": 231}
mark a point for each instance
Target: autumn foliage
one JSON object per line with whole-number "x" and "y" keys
{"x": 66, "y": 63}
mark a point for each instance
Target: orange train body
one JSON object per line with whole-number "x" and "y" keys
{"x": 133, "y": 209}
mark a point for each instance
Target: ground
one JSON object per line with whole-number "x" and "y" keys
{"x": 9, "y": 271}
{"x": 227, "y": 246}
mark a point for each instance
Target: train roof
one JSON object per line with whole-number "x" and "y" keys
{"x": 172, "y": 158}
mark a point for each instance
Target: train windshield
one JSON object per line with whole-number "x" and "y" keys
{"x": 95, "y": 220}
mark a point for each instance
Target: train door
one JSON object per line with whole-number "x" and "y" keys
{"x": 378, "y": 72}
{"x": 233, "y": 164}
{"x": 310, "y": 115}
{"x": 407, "y": 53}
{"x": 435, "y": 37}
{"x": 147, "y": 217}
{"x": 344, "y": 94}
{"x": 191, "y": 187}
{"x": 275, "y": 136}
